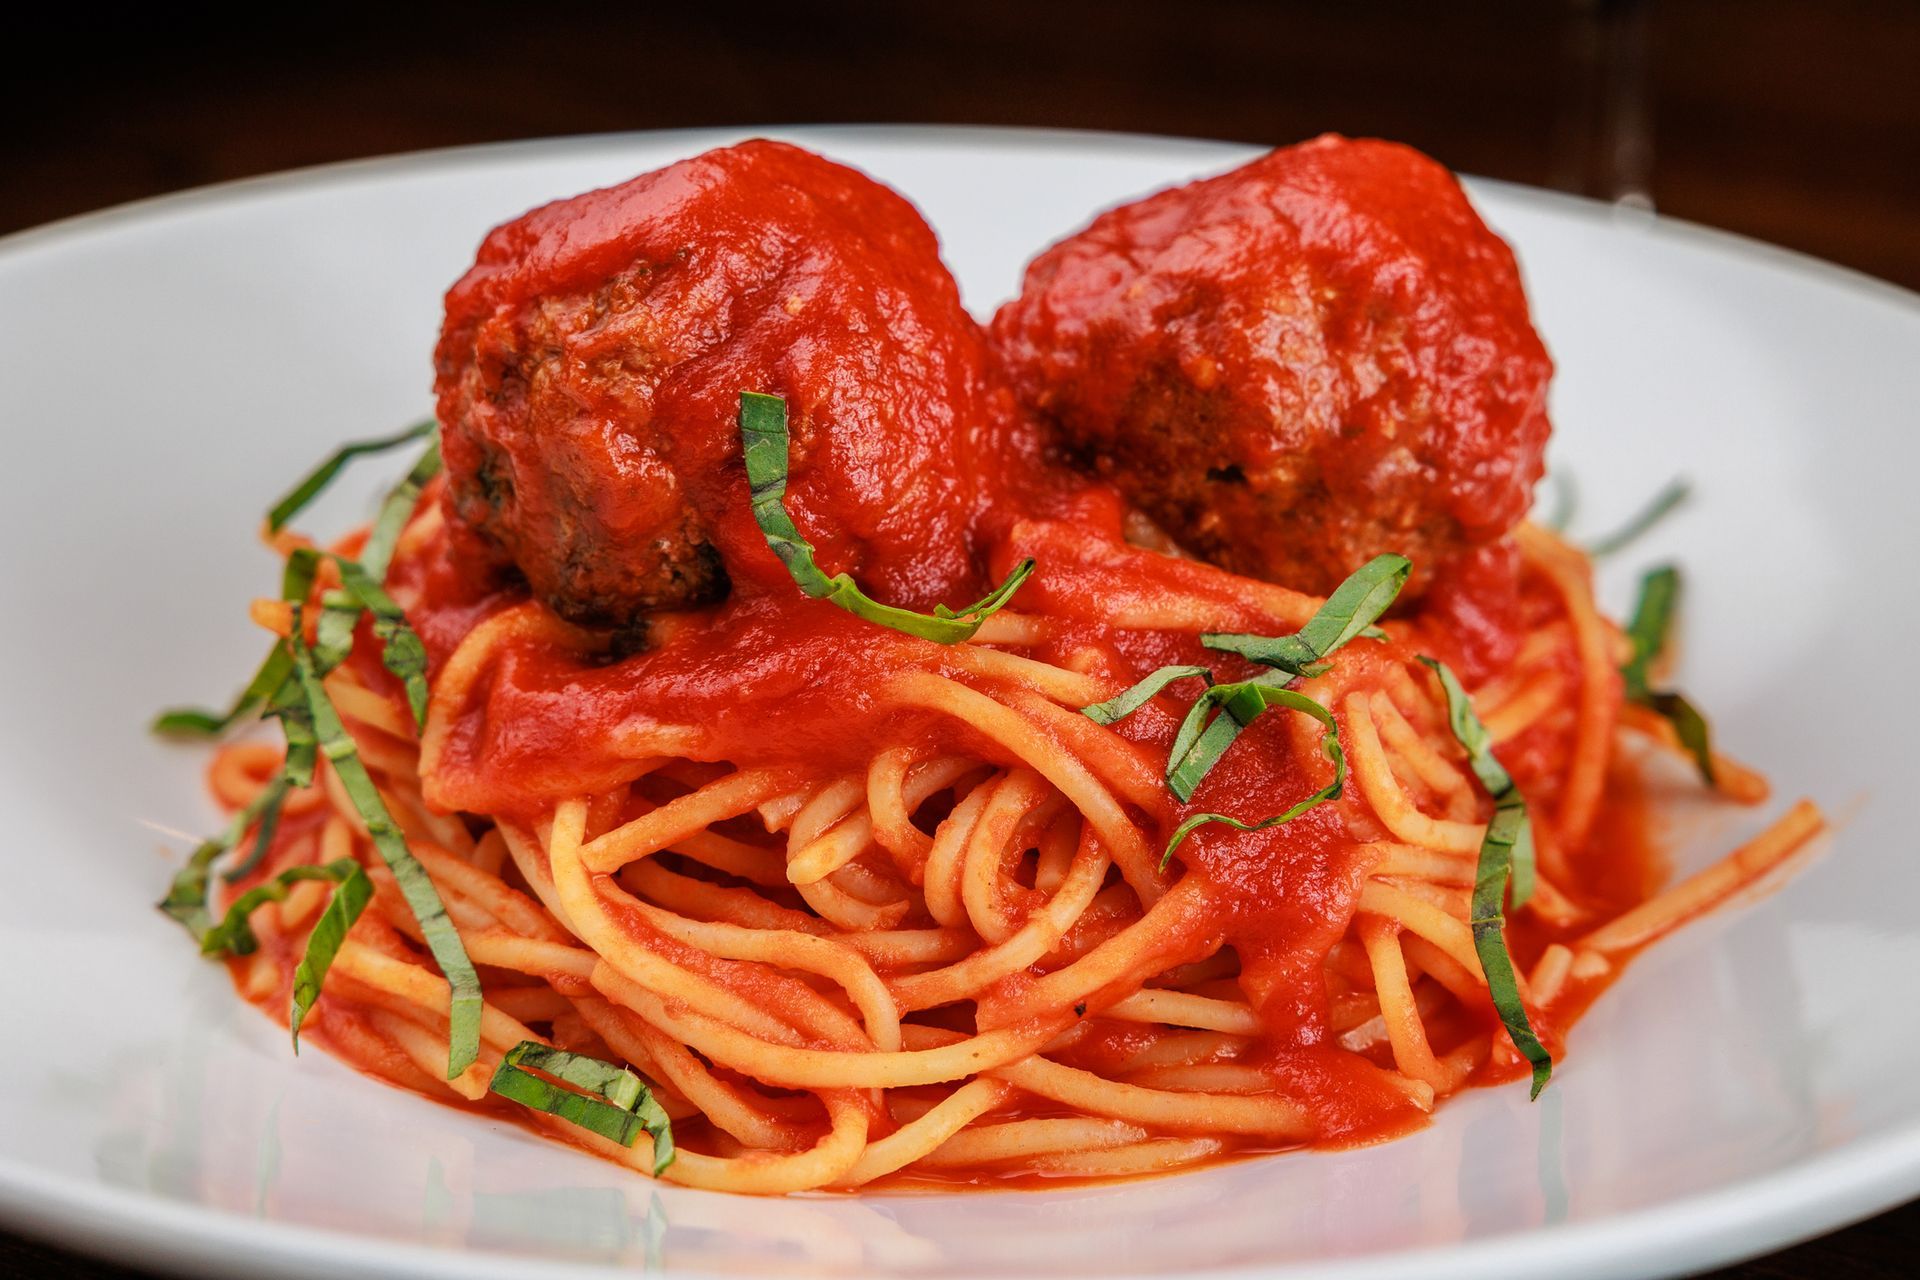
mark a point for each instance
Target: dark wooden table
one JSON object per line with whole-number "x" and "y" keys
{"x": 1793, "y": 122}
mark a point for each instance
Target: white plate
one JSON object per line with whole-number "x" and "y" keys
{"x": 168, "y": 368}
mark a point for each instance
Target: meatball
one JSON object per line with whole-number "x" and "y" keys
{"x": 589, "y": 372}
{"x": 1294, "y": 366}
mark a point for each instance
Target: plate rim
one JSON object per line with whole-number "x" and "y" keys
{"x": 1755, "y": 1216}
{"x": 1734, "y": 1221}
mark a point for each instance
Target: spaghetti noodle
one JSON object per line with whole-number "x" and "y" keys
{"x": 782, "y": 896}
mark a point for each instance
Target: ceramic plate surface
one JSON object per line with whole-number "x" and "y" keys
{"x": 169, "y": 367}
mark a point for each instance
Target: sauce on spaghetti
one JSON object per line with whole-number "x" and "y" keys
{"x": 867, "y": 909}
{"x": 785, "y": 682}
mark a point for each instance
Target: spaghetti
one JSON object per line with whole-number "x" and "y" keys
{"x": 963, "y": 958}
{"x": 1135, "y": 864}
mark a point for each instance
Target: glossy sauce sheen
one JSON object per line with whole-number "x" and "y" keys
{"x": 1296, "y": 364}
{"x": 591, "y": 364}
{"x": 781, "y": 680}
{"x": 914, "y": 470}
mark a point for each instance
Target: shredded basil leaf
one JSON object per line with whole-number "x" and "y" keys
{"x": 297, "y": 578}
{"x": 616, "y": 1084}
{"x": 1199, "y": 744}
{"x": 1506, "y": 854}
{"x": 288, "y": 684}
{"x": 277, "y": 669}
{"x": 1474, "y": 739}
{"x": 1125, "y": 704}
{"x": 234, "y": 935}
{"x": 1663, "y": 503}
{"x": 443, "y": 940}
{"x": 276, "y": 798}
{"x": 1691, "y": 728}
{"x": 395, "y": 510}
{"x": 1329, "y": 743}
{"x": 405, "y": 656}
{"x": 308, "y": 489}
{"x": 764, "y": 441}
{"x": 401, "y": 650}
{"x": 303, "y": 748}
{"x": 1349, "y": 612}
{"x": 186, "y": 899}
{"x": 349, "y": 899}
{"x": 196, "y": 722}
{"x": 289, "y": 707}
{"x": 612, "y": 1103}
{"x": 333, "y": 630}
{"x": 1651, "y": 624}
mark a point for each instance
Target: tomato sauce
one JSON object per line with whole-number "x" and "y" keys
{"x": 777, "y": 679}
{"x": 765, "y": 677}
{"x": 1296, "y": 364}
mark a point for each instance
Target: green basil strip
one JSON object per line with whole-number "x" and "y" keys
{"x": 395, "y": 510}
{"x": 297, "y": 577}
{"x": 1677, "y": 491}
{"x": 986, "y": 606}
{"x": 323, "y": 943}
{"x": 1208, "y": 729}
{"x": 303, "y": 746}
{"x": 405, "y": 656}
{"x": 1329, "y": 743}
{"x": 1691, "y": 728}
{"x": 277, "y": 669}
{"x": 1472, "y": 736}
{"x": 339, "y": 610}
{"x": 654, "y": 1118}
{"x": 289, "y": 695}
{"x": 765, "y": 443}
{"x": 276, "y": 797}
{"x": 1651, "y": 624}
{"x": 401, "y": 650}
{"x": 1125, "y": 704}
{"x": 443, "y": 940}
{"x": 234, "y": 935}
{"x": 1198, "y": 745}
{"x": 1349, "y": 612}
{"x": 290, "y": 709}
{"x": 186, "y": 899}
{"x": 613, "y": 1123}
{"x": 1504, "y": 833}
{"x": 196, "y": 722}
{"x": 333, "y": 631}
{"x": 614, "y": 1083}
{"x": 623, "y": 1109}
{"x": 1505, "y": 850}
{"x": 308, "y": 489}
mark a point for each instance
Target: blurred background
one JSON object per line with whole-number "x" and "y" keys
{"x": 1794, "y": 121}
